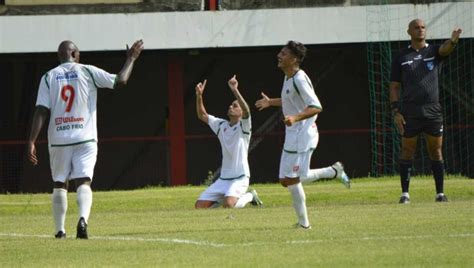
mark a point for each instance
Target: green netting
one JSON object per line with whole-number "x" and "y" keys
{"x": 456, "y": 88}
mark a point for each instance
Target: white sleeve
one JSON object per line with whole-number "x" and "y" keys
{"x": 246, "y": 124}
{"x": 214, "y": 123}
{"x": 305, "y": 89}
{"x": 43, "y": 98}
{"x": 101, "y": 78}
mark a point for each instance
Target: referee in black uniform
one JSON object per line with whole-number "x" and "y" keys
{"x": 414, "y": 100}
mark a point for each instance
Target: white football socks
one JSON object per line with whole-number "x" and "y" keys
{"x": 84, "y": 201}
{"x": 59, "y": 200}
{"x": 244, "y": 200}
{"x": 320, "y": 173}
{"x": 299, "y": 203}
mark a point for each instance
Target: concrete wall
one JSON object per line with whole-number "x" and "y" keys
{"x": 247, "y": 28}
{"x": 67, "y": 2}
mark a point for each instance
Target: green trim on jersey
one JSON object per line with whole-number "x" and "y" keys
{"x": 42, "y": 106}
{"x": 296, "y": 88}
{"x": 298, "y": 91}
{"x": 219, "y": 127}
{"x": 309, "y": 82}
{"x": 229, "y": 179}
{"x": 314, "y": 106}
{"x": 71, "y": 144}
{"x": 115, "y": 81}
{"x": 241, "y": 128}
{"x": 46, "y": 79}
{"x": 296, "y": 152}
{"x": 90, "y": 73}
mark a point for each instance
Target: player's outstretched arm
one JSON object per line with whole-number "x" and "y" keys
{"x": 234, "y": 86}
{"x": 266, "y": 102}
{"x": 39, "y": 117}
{"x": 448, "y": 46}
{"x": 132, "y": 54}
{"x": 200, "y": 109}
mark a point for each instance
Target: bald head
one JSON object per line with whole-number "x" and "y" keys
{"x": 417, "y": 30}
{"x": 68, "y": 52}
{"x": 415, "y": 22}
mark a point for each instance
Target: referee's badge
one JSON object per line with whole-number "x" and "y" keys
{"x": 430, "y": 65}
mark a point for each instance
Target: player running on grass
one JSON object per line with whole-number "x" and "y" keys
{"x": 234, "y": 136}
{"x": 68, "y": 96}
{"x": 300, "y": 109}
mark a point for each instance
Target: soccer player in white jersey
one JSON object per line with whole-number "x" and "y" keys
{"x": 234, "y": 136}
{"x": 300, "y": 109}
{"x": 68, "y": 96}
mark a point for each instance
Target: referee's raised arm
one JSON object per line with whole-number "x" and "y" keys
{"x": 448, "y": 46}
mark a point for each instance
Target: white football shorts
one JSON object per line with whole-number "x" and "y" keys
{"x": 72, "y": 162}
{"x": 295, "y": 165}
{"x": 223, "y": 188}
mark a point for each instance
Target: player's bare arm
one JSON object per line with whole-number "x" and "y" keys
{"x": 200, "y": 109}
{"x": 398, "y": 118}
{"x": 234, "y": 86}
{"x": 266, "y": 102}
{"x": 289, "y": 120}
{"x": 132, "y": 54}
{"x": 448, "y": 46}
{"x": 40, "y": 116}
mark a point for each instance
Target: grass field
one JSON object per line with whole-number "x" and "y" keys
{"x": 364, "y": 226}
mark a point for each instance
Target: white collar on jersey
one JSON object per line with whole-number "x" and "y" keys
{"x": 426, "y": 45}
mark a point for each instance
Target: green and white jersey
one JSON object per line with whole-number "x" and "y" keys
{"x": 297, "y": 94}
{"x": 235, "y": 142}
{"x": 69, "y": 91}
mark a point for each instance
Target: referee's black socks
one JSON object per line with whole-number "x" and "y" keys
{"x": 438, "y": 173}
{"x": 405, "y": 170}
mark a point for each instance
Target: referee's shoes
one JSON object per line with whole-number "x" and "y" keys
{"x": 404, "y": 200}
{"x": 441, "y": 198}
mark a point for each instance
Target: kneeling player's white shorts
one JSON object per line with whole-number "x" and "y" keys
{"x": 294, "y": 165}
{"x": 223, "y": 188}
{"x": 72, "y": 162}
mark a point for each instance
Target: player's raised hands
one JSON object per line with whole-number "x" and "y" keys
{"x": 233, "y": 83}
{"x": 135, "y": 50}
{"x": 200, "y": 87}
{"x": 263, "y": 103}
{"x": 455, "y": 35}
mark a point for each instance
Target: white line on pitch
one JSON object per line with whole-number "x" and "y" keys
{"x": 365, "y": 238}
{"x": 124, "y": 238}
{"x": 165, "y": 240}
{"x": 369, "y": 238}
{"x": 220, "y": 245}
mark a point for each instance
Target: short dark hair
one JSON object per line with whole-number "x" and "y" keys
{"x": 297, "y": 49}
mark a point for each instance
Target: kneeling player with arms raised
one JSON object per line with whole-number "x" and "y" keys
{"x": 234, "y": 136}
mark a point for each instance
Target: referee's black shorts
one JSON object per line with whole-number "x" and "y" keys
{"x": 416, "y": 125}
